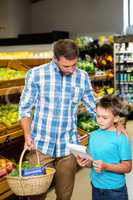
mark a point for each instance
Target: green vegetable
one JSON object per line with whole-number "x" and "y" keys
{"x": 26, "y": 165}
{"x": 14, "y": 172}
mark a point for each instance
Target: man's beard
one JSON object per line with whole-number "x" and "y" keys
{"x": 65, "y": 73}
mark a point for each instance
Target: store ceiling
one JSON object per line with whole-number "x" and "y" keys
{"x": 34, "y": 1}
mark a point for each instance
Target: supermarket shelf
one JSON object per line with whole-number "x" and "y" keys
{"x": 84, "y": 139}
{"x": 4, "y": 189}
{"x": 123, "y": 38}
{"x": 130, "y": 106}
{"x": 11, "y": 83}
{"x": 124, "y": 62}
{"x": 11, "y": 90}
{"x": 100, "y": 77}
{"x": 11, "y": 86}
{"x": 83, "y": 136}
{"x": 81, "y": 132}
{"x": 6, "y": 194}
{"x": 28, "y": 62}
{"x": 123, "y": 52}
{"x": 9, "y": 136}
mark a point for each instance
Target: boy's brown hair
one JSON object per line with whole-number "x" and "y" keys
{"x": 113, "y": 103}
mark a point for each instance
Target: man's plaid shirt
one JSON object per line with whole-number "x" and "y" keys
{"x": 54, "y": 98}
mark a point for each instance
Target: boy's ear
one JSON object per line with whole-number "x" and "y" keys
{"x": 116, "y": 119}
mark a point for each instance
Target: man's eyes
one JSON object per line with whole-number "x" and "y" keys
{"x": 68, "y": 66}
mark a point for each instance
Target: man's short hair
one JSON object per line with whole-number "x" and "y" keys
{"x": 66, "y": 48}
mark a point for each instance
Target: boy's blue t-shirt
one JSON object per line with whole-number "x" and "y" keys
{"x": 110, "y": 147}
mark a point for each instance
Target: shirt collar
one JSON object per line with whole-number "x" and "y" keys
{"x": 55, "y": 65}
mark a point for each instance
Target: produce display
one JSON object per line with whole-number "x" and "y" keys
{"x": 9, "y": 74}
{"x": 100, "y": 91}
{"x": 96, "y": 58}
{"x": 86, "y": 123}
{"x": 12, "y": 74}
{"x": 8, "y": 114}
{"x": 86, "y": 65}
{"x": 26, "y": 54}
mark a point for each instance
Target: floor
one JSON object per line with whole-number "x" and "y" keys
{"x": 82, "y": 189}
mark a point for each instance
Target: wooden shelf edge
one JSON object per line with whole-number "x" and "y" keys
{"x": 11, "y": 136}
{"x": 11, "y": 90}
{"x": 100, "y": 77}
{"x": 6, "y": 194}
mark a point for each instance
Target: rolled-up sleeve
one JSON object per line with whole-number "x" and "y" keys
{"x": 28, "y": 96}
{"x": 88, "y": 98}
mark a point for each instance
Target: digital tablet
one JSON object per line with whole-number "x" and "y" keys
{"x": 80, "y": 150}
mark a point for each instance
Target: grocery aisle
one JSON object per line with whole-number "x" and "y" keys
{"x": 82, "y": 189}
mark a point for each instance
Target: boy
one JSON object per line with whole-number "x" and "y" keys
{"x": 111, "y": 153}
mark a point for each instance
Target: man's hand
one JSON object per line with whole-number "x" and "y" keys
{"x": 26, "y": 125}
{"x": 121, "y": 129}
{"x": 29, "y": 144}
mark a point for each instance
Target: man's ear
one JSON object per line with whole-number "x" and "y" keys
{"x": 116, "y": 119}
{"x": 56, "y": 59}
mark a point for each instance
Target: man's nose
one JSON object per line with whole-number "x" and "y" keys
{"x": 73, "y": 69}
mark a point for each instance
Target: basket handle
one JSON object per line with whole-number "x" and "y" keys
{"x": 21, "y": 159}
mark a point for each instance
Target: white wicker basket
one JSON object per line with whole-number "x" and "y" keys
{"x": 31, "y": 185}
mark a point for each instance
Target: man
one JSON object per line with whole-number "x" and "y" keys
{"x": 54, "y": 90}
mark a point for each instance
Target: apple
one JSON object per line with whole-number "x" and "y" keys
{"x": 3, "y": 172}
{"x": 9, "y": 166}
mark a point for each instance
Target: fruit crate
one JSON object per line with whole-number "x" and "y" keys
{"x": 82, "y": 132}
{"x": 81, "y": 108}
{"x": 3, "y": 129}
{"x": 11, "y": 83}
{"x": 14, "y": 127}
{"x": 84, "y": 139}
{"x": 17, "y": 65}
{"x": 6, "y": 166}
{"x": 4, "y": 189}
{"x": 16, "y": 81}
{"x": 7, "y": 137}
{"x": 4, "y": 170}
{"x": 83, "y": 136}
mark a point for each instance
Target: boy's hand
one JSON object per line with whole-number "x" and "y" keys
{"x": 83, "y": 162}
{"x": 99, "y": 165}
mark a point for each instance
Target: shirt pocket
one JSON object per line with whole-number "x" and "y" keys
{"x": 77, "y": 94}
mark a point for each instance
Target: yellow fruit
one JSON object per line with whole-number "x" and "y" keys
{"x": 49, "y": 170}
{"x": 3, "y": 163}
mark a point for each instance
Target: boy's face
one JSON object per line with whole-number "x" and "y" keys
{"x": 105, "y": 118}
